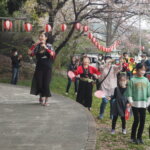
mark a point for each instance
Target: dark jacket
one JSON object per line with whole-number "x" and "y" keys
{"x": 15, "y": 62}
{"x": 44, "y": 60}
{"x": 119, "y": 105}
{"x": 72, "y": 67}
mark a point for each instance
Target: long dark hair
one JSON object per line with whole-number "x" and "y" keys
{"x": 46, "y": 35}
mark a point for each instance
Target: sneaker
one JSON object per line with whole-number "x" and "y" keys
{"x": 66, "y": 93}
{"x": 140, "y": 141}
{"x": 124, "y": 131}
{"x": 133, "y": 141}
{"x": 101, "y": 116}
{"x": 112, "y": 131}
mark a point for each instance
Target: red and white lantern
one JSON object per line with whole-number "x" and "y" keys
{"x": 78, "y": 26}
{"x": 85, "y": 28}
{"x": 93, "y": 39}
{"x": 63, "y": 27}
{"x": 142, "y": 48}
{"x": 8, "y": 25}
{"x": 90, "y": 35}
{"x": 48, "y": 28}
{"x": 109, "y": 50}
{"x": 96, "y": 43}
{"x": 28, "y": 27}
{"x": 99, "y": 47}
{"x": 103, "y": 49}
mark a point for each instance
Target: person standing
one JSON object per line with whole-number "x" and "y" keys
{"x": 87, "y": 76}
{"x": 72, "y": 67}
{"x": 16, "y": 60}
{"x": 138, "y": 93}
{"x": 108, "y": 83}
{"x": 120, "y": 103}
{"x": 44, "y": 55}
{"x": 99, "y": 63}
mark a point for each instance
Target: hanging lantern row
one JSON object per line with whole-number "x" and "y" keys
{"x": 28, "y": 27}
{"x": 8, "y": 26}
{"x": 101, "y": 47}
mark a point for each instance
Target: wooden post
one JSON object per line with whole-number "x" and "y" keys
{"x": 2, "y": 25}
{"x": 19, "y": 21}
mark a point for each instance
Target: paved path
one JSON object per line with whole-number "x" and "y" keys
{"x": 25, "y": 125}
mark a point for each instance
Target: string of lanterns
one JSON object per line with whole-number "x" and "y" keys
{"x": 28, "y": 28}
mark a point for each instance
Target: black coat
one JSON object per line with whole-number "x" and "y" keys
{"x": 15, "y": 62}
{"x": 119, "y": 105}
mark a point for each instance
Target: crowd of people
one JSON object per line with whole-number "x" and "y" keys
{"x": 125, "y": 84}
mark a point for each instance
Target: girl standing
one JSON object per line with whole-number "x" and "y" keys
{"x": 44, "y": 55}
{"x": 119, "y": 105}
{"x": 138, "y": 93}
{"x": 87, "y": 75}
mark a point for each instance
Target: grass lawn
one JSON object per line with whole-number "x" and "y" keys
{"x": 105, "y": 141}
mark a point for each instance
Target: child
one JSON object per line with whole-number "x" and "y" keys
{"x": 119, "y": 105}
{"x": 138, "y": 93}
{"x": 86, "y": 72}
{"x": 44, "y": 54}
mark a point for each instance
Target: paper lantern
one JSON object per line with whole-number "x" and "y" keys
{"x": 8, "y": 25}
{"x": 28, "y": 27}
{"x": 99, "y": 47}
{"x": 142, "y": 48}
{"x": 93, "y": 39}
{"x": 104, "y": 49}
{"x": 96, "y": 43}
{"x": 90, "y": 35}
{"x": 48, "y": 28}
{"x": 85, "y": 28}
{"x": 78, "y": 26}
{"x": 63, "y": 27}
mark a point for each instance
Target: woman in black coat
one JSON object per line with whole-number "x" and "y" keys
{"x": 44, "y": 55}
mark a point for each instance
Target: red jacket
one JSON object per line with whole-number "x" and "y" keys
{"x": 92, "y": 70}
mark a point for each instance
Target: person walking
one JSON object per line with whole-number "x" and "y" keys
{"x": 108, "y": 83}
{"x": 138, "y": 93}
{"x": 44, "y": 55}
{"x": 72, "y": 67}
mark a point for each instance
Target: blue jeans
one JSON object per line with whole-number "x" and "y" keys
{"x": 15, "y": 75}
{"x": 103, "y": 106}
{"x": 69, "y": 84}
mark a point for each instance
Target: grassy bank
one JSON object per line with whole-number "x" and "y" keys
{"x": 105, "y": 141}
